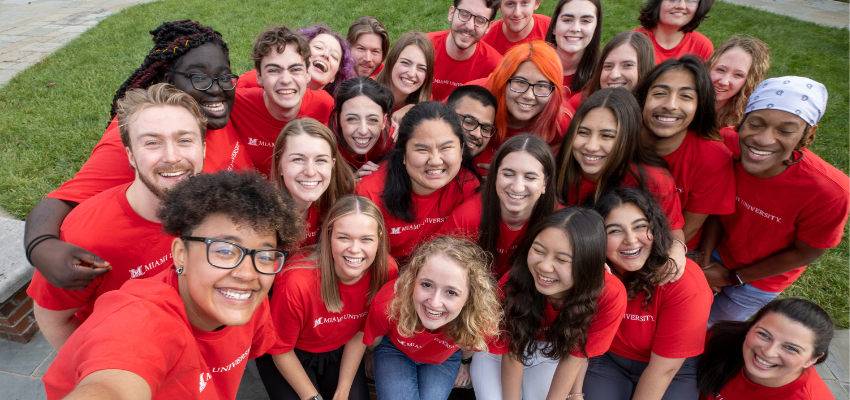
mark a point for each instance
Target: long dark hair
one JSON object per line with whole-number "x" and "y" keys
{"x": 488, "y": 237}
{"x": 705, "y": 117}
{"x": 525, "y": 307}
{"x": 628, "y": 157}
{"x": 650, "y": 15}
{"x": 645, "y": 57}
{"x": 378, "y": 93}
{"x": 723, "y": 357}
{"x": 646, "y": 278}
{"x": 397, "y": 188}
{"x": 591, "y": 53}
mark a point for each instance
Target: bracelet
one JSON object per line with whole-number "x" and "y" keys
{"x": 466, "y": 361}
{"x": 575, "y": 395}
{"x": 35, "y": 242}
{"x": 683, "y": 243}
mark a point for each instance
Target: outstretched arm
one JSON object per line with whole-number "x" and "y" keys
{"x": 111, "y": 384}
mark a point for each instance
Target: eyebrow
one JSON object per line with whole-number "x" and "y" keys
{"x": 601, "y": 130}
{"x": 668, "y": 87}
{"x": 573, "y": 15}
{"x": 557, "y": 252}
{"x": 425, "y": 146}
{"x": 789, "y": 122}
{"x": 297, "y": 64}
{"x": 529, "y": 80}
{"x": 447, "y": 286}
{"x": 159, "y": 134}
{"x": 304, "y": 155}
{"x": 357, "y": 115}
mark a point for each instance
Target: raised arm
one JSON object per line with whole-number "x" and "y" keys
{"x": 111, "y": 384}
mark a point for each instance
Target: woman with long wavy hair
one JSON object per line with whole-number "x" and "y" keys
{"x": 736, "y": 68}
{"x": 561, "y": 308}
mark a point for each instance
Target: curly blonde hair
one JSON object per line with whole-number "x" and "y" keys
{"x": 479, "y": 319}
{"x": 732, "y": 113}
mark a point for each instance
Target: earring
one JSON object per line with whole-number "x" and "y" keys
{"x": 179, "y": 270}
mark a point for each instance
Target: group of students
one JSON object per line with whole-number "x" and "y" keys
{"x": 564, "y": 221}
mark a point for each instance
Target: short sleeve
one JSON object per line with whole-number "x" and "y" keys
{"x": 683, "y": 315}
{"x": 288, "y": 311}
{"x": 611, "y": 306}
{"x": 378, "y": 321}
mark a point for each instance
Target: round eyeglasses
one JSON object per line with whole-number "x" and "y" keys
{"x": 203, "y": 82}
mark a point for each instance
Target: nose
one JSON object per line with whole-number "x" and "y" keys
{"x": 435, "y": 159}
{"x": 285, "y": 77}
{"x": 670, "y": 103}
{"x": 245, "y": 271}
{"x": 215, "y": 88}
{"x": 724, "y": 80}
{"x": 546, "y": 266}
{"x": 630, "y": 237}
{"x": 171, "y": 154}
{"x": 592, "y": 143}
{"x": 435, "y": 301}
{"x": 310, "y": 169}
{"x": 765, "y": 137}
{"x": 355, "y": 246}
{"x": 615, "y": 73}
{"x": 518, "y": 184}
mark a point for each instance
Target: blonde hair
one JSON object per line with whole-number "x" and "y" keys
{"x": 342, "y": 178}
{"x": 349, "y": 205}
{"x": 732, "y": 113}
{"x": 479, "y": 319}
{"x": 161, "y": 94}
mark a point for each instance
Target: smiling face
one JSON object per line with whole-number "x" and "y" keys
{"x": 729, "y": 74}
{"x": 465, "y": 34}
{"x": 475, "y": 142}
{"x": 767, "y": 138}
{"x": 777, "y": 349}
{"x": 284, "y": 78}
{"x": 368, "y": 54}
{"x": 214, "y": 296}
{"x": 620, "y": 68}
{"x": 325, "y": 56}
{"x": 408, "y": 73}
{"x": 575, "y": 25}
{"x": 165, "y": 147}
{"x": 677, "y": 14}
{"x": 307, "y": 168}
{"x": 354, "y": 243}
{"x": 215, "y": 103}
{"x": 440, "y": 291}
{"x": 361, "y": 121}
{"x": 594, "y": 141}
{"x": 550, "y": 261}
{"x": 523, "y": 107}
{"x": 432, "y": 157}
{"x": 518, "y": 15}
{"x": 629, "y": 238}
{"x": 520, "y": 182}
{"x": 671, "y": 104}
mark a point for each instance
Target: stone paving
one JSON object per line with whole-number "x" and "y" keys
{"x": 824, "y": 12}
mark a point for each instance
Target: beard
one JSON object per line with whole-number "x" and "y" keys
{"x": 158, "y": 190}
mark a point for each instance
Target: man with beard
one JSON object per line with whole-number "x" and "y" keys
{"x": 519, "y": 24}
{"x": 476, "y": 107}
{"x": 370, "y": 42}
{"x": 162, "y": 130}
{"x": 458, "y": 55}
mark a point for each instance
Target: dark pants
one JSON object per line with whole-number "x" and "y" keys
{"x": 321, "y": 368}
{"x": 612, "y": 377}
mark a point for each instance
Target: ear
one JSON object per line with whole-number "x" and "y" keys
{"x": 812, "y": 361}
{"x": 259, "y": 79}
{"x": 545, "y": 182}
{"x": 451, "y": 13}
{"x": 536, "y": 5}
{"x": 812, "y": 132}
{"x": 178, "y": 252}
{"x": 130, "y": 158}
{"x": 168, "y": 78}
{"x": 384, "y": 121}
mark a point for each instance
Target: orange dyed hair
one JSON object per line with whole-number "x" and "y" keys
{"x": 544, "y": 57}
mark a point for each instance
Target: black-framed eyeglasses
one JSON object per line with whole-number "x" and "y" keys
{"x": 479, "y": 21}
{"x": 227, "y": 255}
{"x": 469, "y": 123}
{"x": 203, "y": 82}
{"x": 519, "y": 85}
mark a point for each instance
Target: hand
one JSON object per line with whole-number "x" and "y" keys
{"x": 369, "y": 364}
{"x": 399, "y": 114}
{"x": 463, "y": 379}
{"x": 675, "y": 265}
{"x": 483, "y": 166}
{"x": 394, "y": 135}
{"x": 338, "y": 395}
{"x": 717, "y": 276}
{"x": 366, "y": 170}
{"x": 67, "y": 266}
{"x": 608, "y": 268}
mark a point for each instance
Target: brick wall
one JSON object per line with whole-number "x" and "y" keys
{"x": 17, "y": 322}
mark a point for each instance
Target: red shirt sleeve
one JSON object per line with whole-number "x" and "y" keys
{"x": 465, "y": 220}
{"x": 287, "y": 305}
{"x": 378, "y": 321}
{"x": 248, "y": 80}
{"x": 610, "y": 308}
{"x": 265, "y": 337}
{"x": 682, "y": 315}
{"x": 663, "y": 188}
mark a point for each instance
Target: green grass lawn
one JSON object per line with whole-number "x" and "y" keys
{"x": 47, "y": 132}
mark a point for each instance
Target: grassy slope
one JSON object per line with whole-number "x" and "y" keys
{"x": 46, "y": 133}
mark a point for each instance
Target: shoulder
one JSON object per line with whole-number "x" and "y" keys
{"x": 436, "y": 36}
{"x": 105, "y": 201}
{"x": 691, "y": 284}
{"x": 829, "y": 178}
{"x": 699, "y": 38}
{"x": 249, "y": 94}
{"x": 373, "y": 184}
{"x": 613, "y": 294}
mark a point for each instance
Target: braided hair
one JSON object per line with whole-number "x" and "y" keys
{"x": 171, "y": 41}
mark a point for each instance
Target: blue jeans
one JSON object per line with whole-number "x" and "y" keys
{"x": 737, "y": 303}
{"x": 399, "y": 377}
{"x": 610, "y": 376}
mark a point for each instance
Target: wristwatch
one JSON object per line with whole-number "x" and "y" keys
{"x": 318, "y": 396}
{"x": 734, "y": 279}
{"x": 466, "y": 361}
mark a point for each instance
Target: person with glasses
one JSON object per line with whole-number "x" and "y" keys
{"x": 518, "y": 25}
{"x": 320, "y": 304}
{"x": 520, "y": 192}
{"x": 188, "y": 332}
{"x": 459, "y": 56}
{"x": 180, "y": 47}
{"x": 163, "y": 130}
{"x": 476, "y": 107}
{"x": 282, "y": 58}
{"x": 672, "y": 24}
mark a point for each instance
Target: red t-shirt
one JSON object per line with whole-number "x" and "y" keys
{"x": 248, "y": 80}
{"x": 659, "y": 182}
{"x": 450, "y": 74}
{"x": 693, "y": 43}
{"x": 258, "y": 129}
{"x": 575, "y": 101}
{"x": 108, "y": 165}
{"x": 425, "y": 347}
{"x": 300, "y": 317}
{"x": 809, "y": 386}
{"x": 107, "y": 226}
{"x": 610, "y": 306}
{"x": 127, "y": 331}
{"x": 808, "y": 201}
{"x": 312, "y": 226}
{"x": 673, "y": 325}
{"x": 496, "y": 37}
{"x": 730, "y": 139}
{"x": 430, "y": 211}
{"x": 704, "y": 178}
{"x": 465, "y": 222}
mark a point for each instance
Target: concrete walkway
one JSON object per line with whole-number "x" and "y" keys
{"x": 823, "y": 12}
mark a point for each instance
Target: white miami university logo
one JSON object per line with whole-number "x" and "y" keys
{"x": 253, "y": 142}
{"x": 205, "y": 376}
{"x": 395, "y": 231}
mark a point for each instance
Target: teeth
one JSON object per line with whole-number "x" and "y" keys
{"x": 616, "y": 84}
{"x": 321, "y": 66}
{"x": 408, "y": 81}
{"x": 573, "y": 39}
{"x": 717, "y": 89}
{"x": 286, "y": 91}
{"x": 515, "y": 197}
{"x": 760, "y": 153}
{"x": 172, "y": 174}
{"x": 353, "y": 260}
{"x": 434, "y": 171}
{"x": 546, "y": 280}
{"x": 525, "y": 106}
{"x": 666, "y": 119}
{"x": 216, "y": 106}
{"x": 434, "y": 313}
{"x": 591, "y": 158}
{"x": 628, "y": 253}
{"x": 316, "y": 183}
{"x": 763, "y": 363}
{"x": 362, "y": 141}
{"x": 235, "y": 295}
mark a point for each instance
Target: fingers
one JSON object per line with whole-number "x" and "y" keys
{"x": 483, "y": 166}
{"x": 90, "y": 258}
